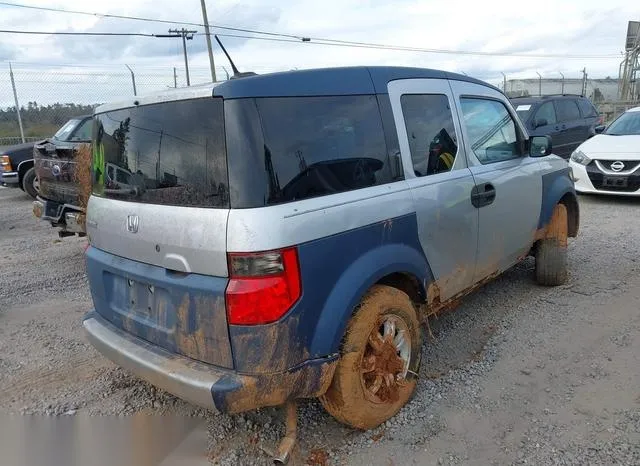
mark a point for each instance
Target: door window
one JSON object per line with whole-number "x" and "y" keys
{"x": 491, "y": 130}
{"x": 546, "y": 112}
{"x": 432, "y": 136}
{"x": 567, "y": 110}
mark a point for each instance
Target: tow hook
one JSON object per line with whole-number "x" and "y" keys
{"x": 288, "y": 442}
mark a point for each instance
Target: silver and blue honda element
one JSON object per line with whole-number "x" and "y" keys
{"x": 284, "y": 236}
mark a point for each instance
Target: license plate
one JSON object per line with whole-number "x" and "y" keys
{"x": 615, "y": 181}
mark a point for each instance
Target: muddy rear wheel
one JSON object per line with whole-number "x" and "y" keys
{"x": 376, "y": 373}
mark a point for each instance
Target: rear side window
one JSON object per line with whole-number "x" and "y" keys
{"x": 172, "y": 153}
{"x": 432, "y": 136}
{"x": 587, "y": 109}
{"x": 308, "y": 147}
{"x": 567, "y": 110}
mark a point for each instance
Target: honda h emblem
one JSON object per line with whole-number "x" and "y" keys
{"x": 132, "y": 223}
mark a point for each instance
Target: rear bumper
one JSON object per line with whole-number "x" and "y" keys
{"x": 10, "y": 179}
{"x": 203, "y": 384}
{"x": 64, "y": 216}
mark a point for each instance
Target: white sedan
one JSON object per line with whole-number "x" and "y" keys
{"x": 609, "y": 163}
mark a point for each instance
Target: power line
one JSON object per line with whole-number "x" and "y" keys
{"x": 67, "y": 33}
{"x": 149, "y": 20}
{"x": 325, "y": 42}
{"x": 283, "y": 37}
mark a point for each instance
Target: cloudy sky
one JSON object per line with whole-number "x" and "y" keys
{"x": 543, "y": 27}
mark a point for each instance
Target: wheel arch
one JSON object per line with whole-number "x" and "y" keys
{"x": 400, "y": 266}
{"x": 23, "y": 167}
{"x": 558, "y": 188}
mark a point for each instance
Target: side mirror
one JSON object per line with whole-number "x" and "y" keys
{"x": 540, "y": 146}
{"x": 540, "y": 122}
{"x": 600, "y": 129}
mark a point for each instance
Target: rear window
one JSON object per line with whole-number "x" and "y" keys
{"x": 291, "y": 148}
{"x": 172, "y": 153}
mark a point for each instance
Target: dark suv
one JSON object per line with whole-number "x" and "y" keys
{"x": 568, "y": 119}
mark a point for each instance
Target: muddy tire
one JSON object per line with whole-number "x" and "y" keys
{"x": 29, "y": 183}
{"x": 551, "y": 251}
{"x": 376, "y": 373}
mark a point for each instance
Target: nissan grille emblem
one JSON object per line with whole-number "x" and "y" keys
{"x": 617, "y": 166}
{"x": 132, "y": 223}
{"x": 56, "y": 170}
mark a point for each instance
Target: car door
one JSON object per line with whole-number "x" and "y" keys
{"x": 508, "y": 182}
{"x": 571, "y": 126}
{"x": 440, "y": 181}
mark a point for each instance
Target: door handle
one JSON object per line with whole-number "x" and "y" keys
{"x": 483, "y": 195}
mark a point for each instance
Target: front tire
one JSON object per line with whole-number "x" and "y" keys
{"x": 377, "y": 370}
{"x": 551, "y": 251}
{"x": 30, "y": 183}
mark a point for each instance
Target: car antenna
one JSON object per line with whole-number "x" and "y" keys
{"x": 236, "y": 73}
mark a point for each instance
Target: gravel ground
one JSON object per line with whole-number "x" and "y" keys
{"x": 518, "y": 374}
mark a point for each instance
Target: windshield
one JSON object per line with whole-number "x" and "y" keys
{"x": 171, "y": 153}
{"x": 64, "y": 132}
{"x": 627, "y": 123}
{"x": 523, "y": 110}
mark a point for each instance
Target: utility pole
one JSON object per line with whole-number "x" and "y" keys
{"x": 561, "y": 74}
{"x": 186, "y": 35}
{"x": 15, "y": 98}
{"x": 175, "y": 77}
{"x": 208, "y": 36}
{"x": 584, "y": 82}
{"x": 504, "y": 83}
{"x": 133, "y": 80}
{"x": 539, "y": 83}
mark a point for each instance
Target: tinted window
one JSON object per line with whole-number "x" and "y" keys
{"x": 587, "y": 109}
{"x": 83, "y": 133}
{"x": 567, "y": 110}
{"x": 171, "y": 153}
{"x": 311, "y": 146}
{"x": 491, "y": 130}
{"x": 547, "y": 112}
{"x": 432, "y": 136}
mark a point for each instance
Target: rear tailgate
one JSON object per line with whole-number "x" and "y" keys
{"x": 157, "y": 223}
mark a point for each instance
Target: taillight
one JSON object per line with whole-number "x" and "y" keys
{"x": 262, "y": 287}
{"x": 5, "y": 163}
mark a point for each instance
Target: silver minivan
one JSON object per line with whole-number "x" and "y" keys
{"x": 284, "y": 236}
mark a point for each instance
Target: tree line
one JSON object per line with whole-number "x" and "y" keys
{"x": 40, "y": 120}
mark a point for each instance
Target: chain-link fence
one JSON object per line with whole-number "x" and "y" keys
{"x": 602, "y": 92}
{"x": 49, "y": 96}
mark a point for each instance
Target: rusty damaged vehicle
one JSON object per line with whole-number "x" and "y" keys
{"x": 55, "y": 159}
{"x": 285, "y": 236}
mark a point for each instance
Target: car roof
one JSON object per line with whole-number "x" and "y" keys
{"x": 634, "y": 109}
{"x": 542, "y": 98}
{"x": 330, "y": 81}
{"x": 356, "y": 80}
